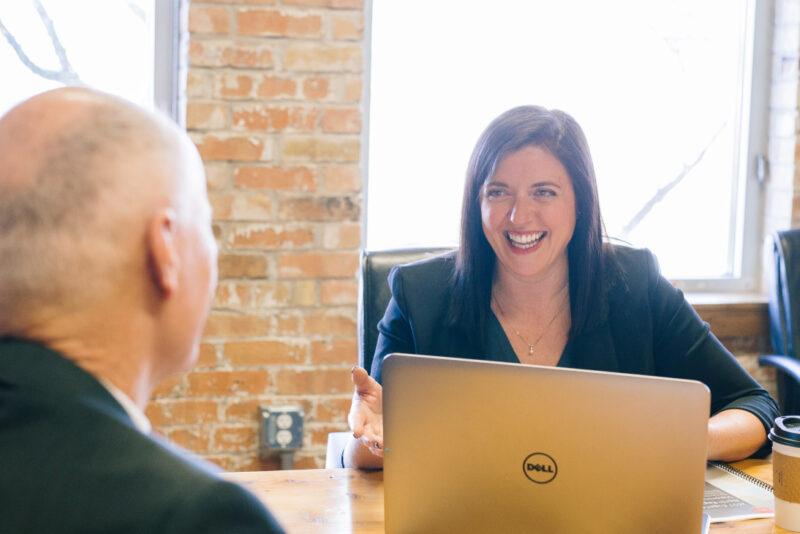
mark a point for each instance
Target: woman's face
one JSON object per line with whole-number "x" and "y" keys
{"x": 528, "y": 214}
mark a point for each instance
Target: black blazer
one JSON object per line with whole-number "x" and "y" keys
{"x": 646, "y": 327}
{"x": 71, "y": 460}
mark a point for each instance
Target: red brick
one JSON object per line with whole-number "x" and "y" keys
{"x": 288, "y": 324}
{"x": 272, "y": 352}
{"x": 229, "y": 325}
{"x": 274, "y": 118}
{"x": 208, "y": 19}
{"x": 241, "y": 206}
{"x": 333, "y": 410}
{"x": 321, "y": 149}
{"x": 207, "y": 356}
{"x": 342, "y": 178}
{"x": 169, "y": 387}
{"x": 199, "y": 83}
{"x": 304, "y": 293}
{"x": 330, "y": 323}
{"x": 196, "y": 441}
{"x": 242, "y": 411}
{"x": 316, "y": 88}
{"x": 274, "y": 23}
{"x": 318, "y": 264}
{"x": 271, "y": 295}
{"x": 233, "y": 86}
{"x": 276, "y": 178}
{"x": 342, "y": 236}
{"x": 226, "y": 463}
{"x": 231, "y": 148}
{"x": 337, "y": 4}
{"x": 274, "y": 87}
{"x": 271, "y": 237}
{"x": 249, "y": 463}
{"x": 218, "y": 176}
{"x": 346, "y": 120}
{"x": 323, "y": 58}
{"x": 205, "y": 53}
{"x": 338, "y": 292}
{"x": 319, "y": 209}
{"x": 347, "y": 26}
{"x": 352, "y": 89}
{"x": 242, "y": 266}
{"x": 318, "y": 434}
{"x": 232, "y": 296}
{"x": 182, "y": 412}
{"x": 233, "y": 438}
{"x": 253, "y": 2}
{"x": 347, "y": 4}
{"x": 334, "y": 351}
{"x": 313, "y": 381}
{"x": 307, "y": 3}
{"x": 217, "y": 383}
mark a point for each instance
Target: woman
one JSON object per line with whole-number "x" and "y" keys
{"x": 533, "y": 282}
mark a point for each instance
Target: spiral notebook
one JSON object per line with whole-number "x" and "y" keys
{"x": 732, "y": 495}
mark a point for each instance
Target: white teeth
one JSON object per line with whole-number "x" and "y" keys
{"x": 525, "y": 240}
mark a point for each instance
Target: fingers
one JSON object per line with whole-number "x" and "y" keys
{"x": 373, "y": 443}
{"x": 360, "y": 377}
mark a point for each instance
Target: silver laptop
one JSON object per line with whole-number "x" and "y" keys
{"x": 493, "y": 447}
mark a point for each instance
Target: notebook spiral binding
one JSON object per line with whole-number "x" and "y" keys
{"x": 741, "y": 474}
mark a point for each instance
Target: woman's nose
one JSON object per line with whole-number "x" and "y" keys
{"x": 522, "y": 211}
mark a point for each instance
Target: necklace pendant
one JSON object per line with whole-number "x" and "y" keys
{"x": 530, "y": 350}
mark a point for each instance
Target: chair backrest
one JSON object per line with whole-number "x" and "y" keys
{"x": 374, "y": 293}
{"x": 784, "y": 302}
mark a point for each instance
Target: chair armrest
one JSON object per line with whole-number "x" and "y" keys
{"x": 788, "y": 365}
{"x": 336, "y": 444}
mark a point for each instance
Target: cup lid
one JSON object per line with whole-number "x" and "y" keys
{"x": 786, "y": 430}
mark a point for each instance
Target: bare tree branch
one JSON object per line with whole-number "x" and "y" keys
{"x": 138, "y": 11}
{"x": 664, "y": 191}
{"x": 69, "y": 73}
{"x": 66, "y": 74}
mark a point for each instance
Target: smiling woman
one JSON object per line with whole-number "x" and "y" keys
{"x": 533, "y": 282}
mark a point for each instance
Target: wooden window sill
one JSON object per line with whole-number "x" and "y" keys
{"x": 733, "y": 315}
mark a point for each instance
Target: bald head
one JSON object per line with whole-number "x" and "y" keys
{"x": 80, "y": 172}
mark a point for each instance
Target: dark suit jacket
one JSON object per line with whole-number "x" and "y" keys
{"x": 71, "y": 460}
{"x": 646, "y": 327}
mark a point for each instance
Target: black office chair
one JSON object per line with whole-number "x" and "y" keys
{"x": 373, "y": 297}
{"x": 374, "y": 293}
{"x": 784, "y": 320}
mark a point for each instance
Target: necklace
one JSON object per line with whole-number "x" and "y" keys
{"x": 531, "y": 346}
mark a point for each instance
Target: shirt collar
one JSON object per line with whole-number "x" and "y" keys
{"x": 140, "y": 420}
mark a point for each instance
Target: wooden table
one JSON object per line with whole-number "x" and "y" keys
{"x": 347, "y": 500}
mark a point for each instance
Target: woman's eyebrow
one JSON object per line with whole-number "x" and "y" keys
{"x": 546, "y": 182}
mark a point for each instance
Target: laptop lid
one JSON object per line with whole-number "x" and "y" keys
{"x": 476, "y": 446}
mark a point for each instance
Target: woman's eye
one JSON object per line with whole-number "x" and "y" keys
{"x": 544, "y": 193}
{"x": 495, "y": 193}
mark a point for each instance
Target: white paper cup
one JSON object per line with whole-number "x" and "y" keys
{"x": 785, "y": 436}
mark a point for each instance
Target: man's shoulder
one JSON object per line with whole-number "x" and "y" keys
{"x": 86, "y": 467}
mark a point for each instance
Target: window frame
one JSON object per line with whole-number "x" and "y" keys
{"x": 749, "y": 214}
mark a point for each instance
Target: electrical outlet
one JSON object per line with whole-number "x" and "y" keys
{"x": 281, "y": 429}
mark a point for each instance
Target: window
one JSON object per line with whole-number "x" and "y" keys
{"x": 671, "y": 95}
{"x": 128, "y": 48}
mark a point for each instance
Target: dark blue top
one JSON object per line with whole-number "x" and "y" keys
{"x": 646, "y": 327}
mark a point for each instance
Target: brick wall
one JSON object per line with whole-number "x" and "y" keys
{"x": 274, "y": 92}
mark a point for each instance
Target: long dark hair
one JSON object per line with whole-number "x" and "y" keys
{"x": 558, "y": 133}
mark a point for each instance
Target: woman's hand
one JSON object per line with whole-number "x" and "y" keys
{"x": 366, "y": 412}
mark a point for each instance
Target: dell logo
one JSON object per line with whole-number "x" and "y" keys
{"x": 540, "y": 468}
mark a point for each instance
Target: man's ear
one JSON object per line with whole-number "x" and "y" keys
{"x": 162, "y": 251}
